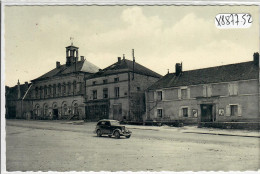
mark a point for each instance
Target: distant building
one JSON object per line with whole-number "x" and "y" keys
{"x": 228, "y": 93}
{"x": 117, "y": 92}
{"x": 17, "y": 101}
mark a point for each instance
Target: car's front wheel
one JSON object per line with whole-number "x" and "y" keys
{"x": 117, "y": 134}
{"x": 128, "y": 136}
{"x": 99, "y": 133}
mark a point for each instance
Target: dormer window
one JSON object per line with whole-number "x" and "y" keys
{"x": 105, "y": 81}
{"x": 94, "y": 83}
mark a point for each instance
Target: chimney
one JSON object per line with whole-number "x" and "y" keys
{"x": 82, "y": 58}
{"x": 57, "y": 64}
{"x": 256, "y": 58}
{"x": 18, "y": 90}
{"x": 124, "y": 57}
{"x": 119, "y": 59}
{"x": 178, "y": 69}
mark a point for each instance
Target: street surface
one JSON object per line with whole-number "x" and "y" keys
{"x": 63, "y": 146}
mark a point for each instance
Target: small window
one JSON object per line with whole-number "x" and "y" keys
{"x": 159, "y": 113}
{"x": 94, "y": 94}
{"x": 94, "y": 83}
{"x": 185, "y": 112}
{"x": 64, "y": 88}
{"x": 233, "y": 89}
{"x": 233, "y": 110}
{"x": 45, "y": 90}
{"x": 105, "y": 93}
{"x": 159, "y": 95}
{"x": 183, "y": 93}
{"x": 117, "y": 92}
{"x": 105, "y": 81}
{"x": 116, "y": 79}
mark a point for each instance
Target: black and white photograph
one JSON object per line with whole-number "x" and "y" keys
{"x": 136, "y": 88}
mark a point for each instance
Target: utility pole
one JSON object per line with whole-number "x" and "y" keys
{"x": 133, "y": 52}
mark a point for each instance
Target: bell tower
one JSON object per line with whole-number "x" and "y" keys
{"x": 71, "y": 54}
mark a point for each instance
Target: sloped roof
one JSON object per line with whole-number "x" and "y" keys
{"x": 125, "y": 66}
{"x": 225, "y": 73}
{"x": 80, "y": 66}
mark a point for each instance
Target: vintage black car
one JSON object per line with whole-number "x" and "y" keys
{"x": 111, "y": 128}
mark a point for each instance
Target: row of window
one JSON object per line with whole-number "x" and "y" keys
{"x": 56, "y": 90}
{"x": 105, "y": 81}
{"x": 184, "y": 93}
{"x": 65, "y": 110}
{"x": 231, "y": 110}
{"x": 105, "y": 93}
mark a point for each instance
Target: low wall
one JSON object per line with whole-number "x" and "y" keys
{"x": 232, "y": 125}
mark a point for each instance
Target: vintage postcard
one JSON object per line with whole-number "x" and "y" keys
{"x": 129, "y": 87}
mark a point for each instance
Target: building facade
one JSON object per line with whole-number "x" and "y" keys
{"x": 59, "y": 93}
{"x": 117, "y": 92}
{"x": 228, "y": 93}
{"x": 17, "y": 101}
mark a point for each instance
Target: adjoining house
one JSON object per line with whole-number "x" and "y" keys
{"x": 228, "y": 93}
{"x": 58, "y": 94}
{"x": 17, "y": 101}
{"x": 117, "y": 92}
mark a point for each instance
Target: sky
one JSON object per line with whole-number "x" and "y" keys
{"x": 36, "y": 37}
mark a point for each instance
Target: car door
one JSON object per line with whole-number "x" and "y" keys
{"x": 107, "y": 127}
{"x": 102, "y": 127}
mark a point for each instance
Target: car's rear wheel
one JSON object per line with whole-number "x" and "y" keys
{"x": 117, "y": 134}
{"x": 128, "y": 136}
{"x": 99, "y": 133}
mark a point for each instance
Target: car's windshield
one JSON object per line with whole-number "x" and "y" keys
{"x": 114, "y": 123}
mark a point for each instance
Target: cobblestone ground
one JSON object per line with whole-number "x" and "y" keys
{"x": 61, "y": 146}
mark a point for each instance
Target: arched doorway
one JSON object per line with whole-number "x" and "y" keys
{"x": 55, "y": 111}
{"x": 37, "y": 111}
{"x": 45, "y": 110}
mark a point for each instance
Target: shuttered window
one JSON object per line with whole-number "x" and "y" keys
{"x": 233, "y": 89}
{"x": 184, "y": 112}
{"x": 159, "y": 113}
{"x": 234, "y": 110}
{"x": 207, "y": 90}
{"x": 184, "y": 93}
{"x": 159, "y": 95}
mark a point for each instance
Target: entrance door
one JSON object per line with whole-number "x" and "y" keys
{"x": 117, "y": 112}
{"x": 206, "y": 113}
{"x": 55, "y": 114}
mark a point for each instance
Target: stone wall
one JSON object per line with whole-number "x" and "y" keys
{"x": 246, "y": 100}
